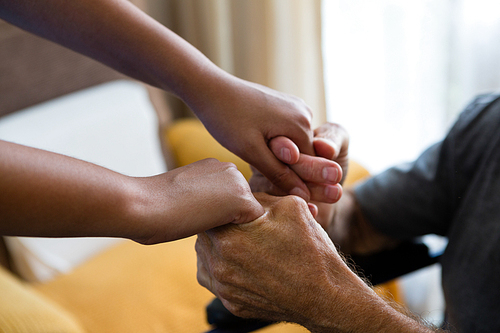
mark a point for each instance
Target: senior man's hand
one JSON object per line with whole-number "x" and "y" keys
{"x": 284, "y": 267}
{"x": 272, "y": 268}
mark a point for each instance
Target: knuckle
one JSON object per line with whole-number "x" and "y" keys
{"x": 201, "y": 279}
{"x": 226, "y": 294}
{"x": 305, "y": 118}
{"x": 291, "y": 204}
{"x": 225, "y": 248}
{"x": 229, "y": 165}
{"x": 209, "y": 161}
{"x": 294, "y": 201}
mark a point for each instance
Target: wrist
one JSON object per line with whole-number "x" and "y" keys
{"x": 355, "y": 307}
{"x": 205, "y": 88}
{"x": 137, "y": 212}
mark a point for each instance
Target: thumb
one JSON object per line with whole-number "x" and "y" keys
{"x": 250, "y": 211}
{"x": 280, "y": 174}
{"x": 284, "y": 149}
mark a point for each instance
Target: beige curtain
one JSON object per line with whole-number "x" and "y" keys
{"x": 276, "y": 43}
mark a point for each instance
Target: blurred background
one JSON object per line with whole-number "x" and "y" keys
{"x": 399, "y": 72}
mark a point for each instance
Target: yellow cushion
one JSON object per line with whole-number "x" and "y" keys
{"x": 137, "y": 288}
{"x": 190, "y": 142}
{"x": 23, "y": 310}
{"x": 356, "y": 173}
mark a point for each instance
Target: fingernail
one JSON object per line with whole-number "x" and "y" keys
{"x": 286, "y": 155}
{"x": 332, "y": 192}
{"x": 330, "y": 173}
{"x": 300, "y": 192}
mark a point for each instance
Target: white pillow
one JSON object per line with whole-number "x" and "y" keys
{"x": 113, "y": 125}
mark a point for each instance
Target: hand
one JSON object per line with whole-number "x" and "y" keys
{"x": 321, "y": 173}
{"x": 244, "y": 117}
{"x": 331, "y": 143}
{"x": 194, "y": 198}
{"x": 283, "y": 267}
{"x": 273, "y": 267}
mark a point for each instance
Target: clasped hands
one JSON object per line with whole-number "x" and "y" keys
{"x": 275, "y": 267}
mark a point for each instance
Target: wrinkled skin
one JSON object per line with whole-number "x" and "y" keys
{"x": 254, "y": 267}
{"x": 284, "y": 267}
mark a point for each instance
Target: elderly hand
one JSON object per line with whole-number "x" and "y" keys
{"x": 273, "y": 268}
{"x": 283, "y": 267}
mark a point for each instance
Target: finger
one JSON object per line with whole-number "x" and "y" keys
{"x": 202, "y": 275}
{"x": 247, "y": 208}
{"x": 298, "y": 129}
{"x": 284, "y": 149}
{"x": 325, "y": 148}
{"x": 330, "y": 140}
{"x": 279, "y": 174}
{"x": 250, "y": 211}
{"x": 317, "y": 170}
{"x": 313, "y": 209}
{"x": 325, "y": 193}
{"x": 259, "y": 183}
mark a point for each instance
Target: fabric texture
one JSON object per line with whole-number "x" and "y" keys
{"x": 23, "y": 310}
{"x": 453, "y": 190}
{"x": 136, "y": 288}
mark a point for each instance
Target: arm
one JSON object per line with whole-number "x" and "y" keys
{"x": 47, "y": 194}
{"x": 299, "y": 276}
{"x": 118, "y": 34}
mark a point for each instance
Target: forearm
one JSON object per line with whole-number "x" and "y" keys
{"x": 242, "y": 116}
{"x": 118, "y": 34}
{"x": 358, "y": 308}
{"x": 47, "y": 194}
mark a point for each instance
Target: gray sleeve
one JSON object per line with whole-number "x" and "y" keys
{"x": 422, "y": 197}
{"x": 408, "y": 200}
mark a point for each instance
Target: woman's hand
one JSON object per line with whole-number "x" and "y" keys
{"x": 52, "y": 195}
{"x": 244, "y": 117}
{"x": 192, "y": 199}
{"x": 322, "y": 174}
